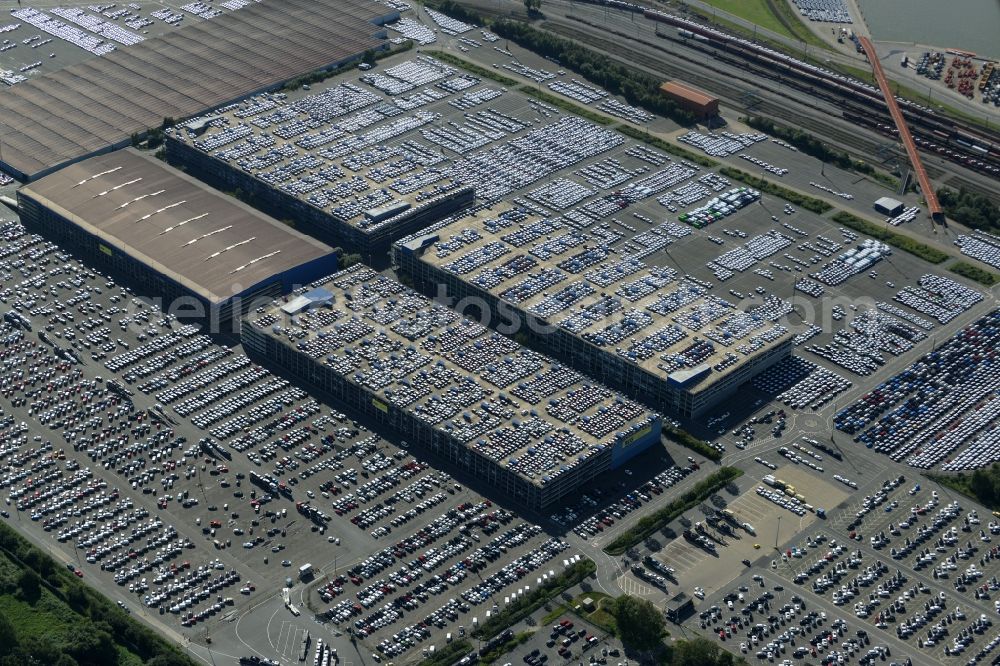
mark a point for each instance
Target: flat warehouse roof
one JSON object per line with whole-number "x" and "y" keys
{"x": 98, "y": 104}
{"x": 209, "y": 242}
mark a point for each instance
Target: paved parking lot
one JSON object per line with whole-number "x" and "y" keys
{"x": 848, "y": 567}
{"x": 199, "y": 537}
{"x": 190, "y": 526}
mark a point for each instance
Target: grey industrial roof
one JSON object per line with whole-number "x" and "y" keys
{"x": 209, "y": 242}
{"x": 98, "y": 104}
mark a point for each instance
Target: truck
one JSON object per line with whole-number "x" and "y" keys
{"x": 305, "y": 571}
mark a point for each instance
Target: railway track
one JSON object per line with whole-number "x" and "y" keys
{"x": 818, "y": 119}
{"x": 857, "y": 145}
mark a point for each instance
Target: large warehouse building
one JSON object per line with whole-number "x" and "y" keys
{"x": 606, "y": 312}
{"x": 97, "y": 105}
{"x": 346, "y": 163}
{"x": 204, "y": 254}
{"x": 529, "y": 428}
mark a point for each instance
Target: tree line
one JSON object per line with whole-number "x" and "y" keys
{"x": 89, "y": 629}
{"x": 973, "y": 210}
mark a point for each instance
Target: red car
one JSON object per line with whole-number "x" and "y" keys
{"x": 78, "y": 573}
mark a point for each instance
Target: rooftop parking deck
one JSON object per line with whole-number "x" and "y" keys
{"x": 516, "y": 407}
{"x": 94, "y": 106}
{"x": 598, "y": 286}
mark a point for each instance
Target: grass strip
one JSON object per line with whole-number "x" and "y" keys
{"x": 689, "y": 441}
{"x": 472, "y": 68}
{"x": 797, "y": 198}
{"x": 974, "y": 273}
{"x": 599, "y": 617}
{"x": 41, "y": 601}
{"x": 533, "y": 600}
{"x": 666, "y": 146}
{"x": 448, "y": 655}
{"x": 500, "y": 650}
{"x": 655, "y": 521}
{"x": 566, "y": 105}
{"x": 904, "y": 243}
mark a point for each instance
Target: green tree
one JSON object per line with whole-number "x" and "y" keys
{"x": 169, "y": 659}
{"x": 30, "y": 585}
{"x": 533, "y": 6}
{"x": 699, "y": 652}
{"x": 368, "y": 57}
{"x": 65, "y": 660}
{"x": 348, "y": 260}
{"x": 90, "y": 646}
{"x": 8, "y": 637}
{"x": 640, "y": 623}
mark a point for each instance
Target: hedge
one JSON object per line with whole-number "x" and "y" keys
{"x": 975, "y": 273}
{"x": 812, "y": 146}
{"x": 516, "y": 611}
{"x": 566, "y": 105}
{"x": 666, "y": 146}
{"x": 448, "y": 655}
{"x": 689, "y": 441}
{"x": 904, "y": 243}
{"x": 472, "y": 68}
{"x": 809, "y": 203}
{"x": 655, "y": 521}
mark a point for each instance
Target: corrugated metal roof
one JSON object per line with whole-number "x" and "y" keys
{"x": 98, "y": 104}
{"x": 212, "y": 243}
{"x": 687, "y": 92}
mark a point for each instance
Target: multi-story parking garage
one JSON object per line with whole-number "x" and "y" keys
{"x": 530, "y": 428}
{"x": 204, "y": 254}
{"x": 656, "y": 336}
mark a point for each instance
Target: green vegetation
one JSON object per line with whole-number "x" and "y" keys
{"x": 600, "y": 617}
{"x": 533, "y": 6}
{"x": 809, "y": 203}
{"x": 348, "y": 260}
{"x": 773, "y": 15}
{"x": 456, "y": 11}
{"x": 983, "y": 485}
{"x": 649, "y": 524}
{"x": 983, "y": 277}
{"x": 504, "y": 648}
{"x": 904, "y": 243}
{"x": 567, "y": 105}
{"x": 640, "y": 624}
{"x": 689, "y": 441}
{"x": 813, "y": 147}
{"x": 637, "y": 87}
{"x": 700, "y": 652}
{"x": 535, "y": 599}
{"x": 666, "y": 146}
{"x": 472, "y": 68}
{"x": 972, "y": 210}
{"x": 449, "y": 655}
{"x": 48, "y": 616}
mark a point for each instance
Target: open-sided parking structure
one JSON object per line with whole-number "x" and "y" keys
{"x": 98, "y": 105}
{"x": 349, "y": 162}
{"x": 530, "y": 428}
{"x": 641, "y": 328}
